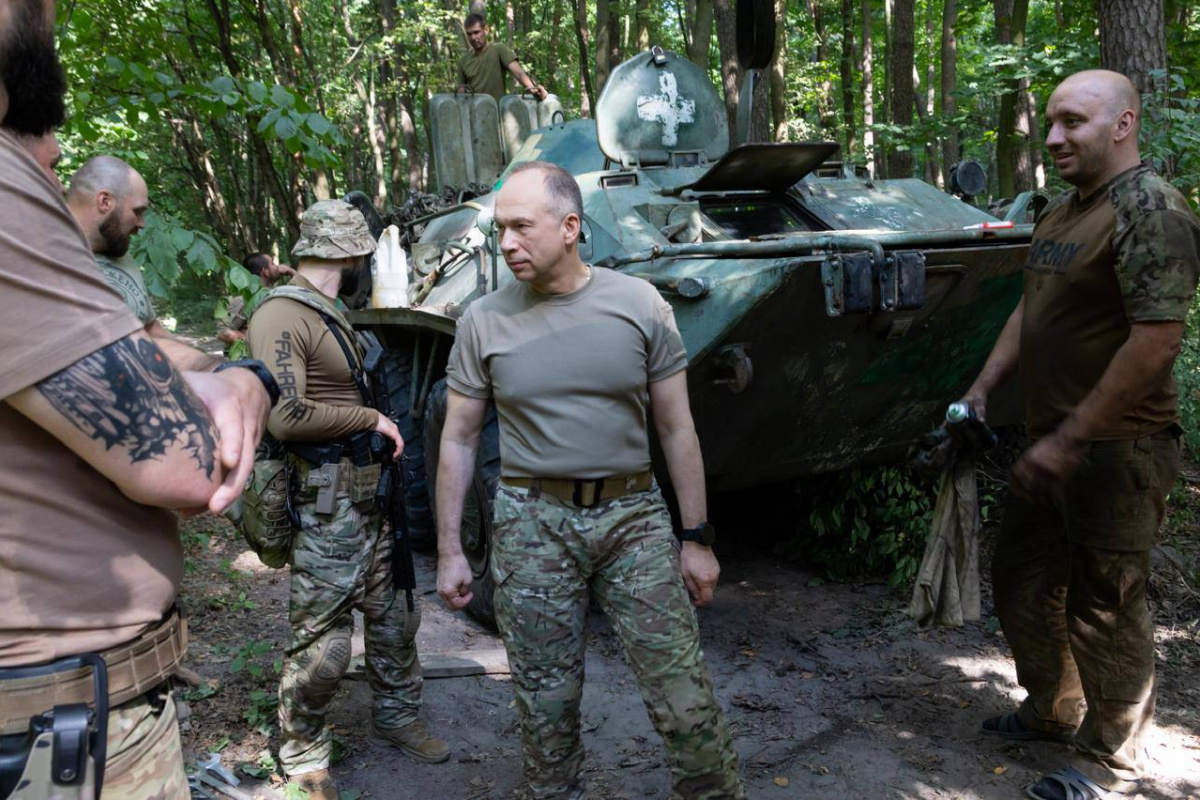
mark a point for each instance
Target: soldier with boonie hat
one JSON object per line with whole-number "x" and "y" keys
{"x": 341, "y": 554}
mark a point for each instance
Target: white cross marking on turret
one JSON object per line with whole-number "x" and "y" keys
{"x": 667, "y": 108}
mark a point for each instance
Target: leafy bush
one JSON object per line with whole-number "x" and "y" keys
{"x": 1187, "y": 374}
{"x": 872, "y": 521}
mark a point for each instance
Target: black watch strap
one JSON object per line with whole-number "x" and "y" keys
{"x": 259, "y": 369}
{"x": 704, "y": 534}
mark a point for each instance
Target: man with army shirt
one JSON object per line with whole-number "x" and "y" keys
{"x": 573, "y": 355}
{"x": 484, "y": 67}
{"x": 1108, "y": 282}
{"x": 109, "y": 198}
{"x": 341, "y": 556}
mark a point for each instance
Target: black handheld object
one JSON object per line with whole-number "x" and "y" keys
{"x": 389, "y": 494}
{"x": 962, "y": 433}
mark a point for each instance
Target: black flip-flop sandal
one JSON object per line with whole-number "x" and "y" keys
{"x": 1009, "y": 726}
{"x": 1069, "y": 783}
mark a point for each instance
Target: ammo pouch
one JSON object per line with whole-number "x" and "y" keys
{"x": 261, "y": 513}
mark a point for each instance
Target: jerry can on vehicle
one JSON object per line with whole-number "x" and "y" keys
{"x": 520, "y": 114}
{"x": 466, "y": 139}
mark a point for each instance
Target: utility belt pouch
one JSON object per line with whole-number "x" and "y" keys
{"x": 326, "y": 479}
{"x": 262, "y": 512}
{"x": 62, "y": 754}
{"x": 363, "y": 482}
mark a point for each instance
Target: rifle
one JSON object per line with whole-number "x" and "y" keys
{"x": 389, "y": 494}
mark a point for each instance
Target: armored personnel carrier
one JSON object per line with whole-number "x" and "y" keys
{"x": 829, "y": 318}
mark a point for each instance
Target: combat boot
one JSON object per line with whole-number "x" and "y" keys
{"x": 316, "y": 785}
{"x": 416, "y": 740}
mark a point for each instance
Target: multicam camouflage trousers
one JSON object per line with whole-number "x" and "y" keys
{"x": 143, "y": 762}
{"x": 547, "y": 556}
{"x": 341, "y": 562}
{"x": 1070, "y": 586}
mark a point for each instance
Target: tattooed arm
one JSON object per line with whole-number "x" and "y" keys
{"x": 128, "y": 413}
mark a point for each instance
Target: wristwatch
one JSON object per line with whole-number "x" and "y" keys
{"x": 704, "y": 534}
{"x": 260, "y": 370}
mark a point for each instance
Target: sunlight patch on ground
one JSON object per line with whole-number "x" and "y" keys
{"x": 247, "y": 561}
{"x": 1163, "y": 634}
{"x": 1175, "y": 759}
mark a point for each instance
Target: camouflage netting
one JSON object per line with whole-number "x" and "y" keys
{"x": 418, "y": 205}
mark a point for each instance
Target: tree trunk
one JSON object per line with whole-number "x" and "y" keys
{"x": 825, "y": 101}
{"x": 730, "y": 72}
{"x": 603, "y": 46}
{"x": 949, "y": 83}
{"x": 1013, "y": 168}
{"x": 509, "y": 22}
{"x": 643, "y": 25}
{"x": 886, "y": 97}
{"x": 585, "y": 76}
{"x": 778, "y": 78}
{"x": 760, "y": 120}
{"x": 1029, "y": 110}
{"x": 900, "y": 70}
{"x": 1133, "y": 39}
{"x": 866, "y": 67}
{"x": 933, "y": 166}
{"x": 555, "y": 28}
{"x": 699, "y": 41}
{"x": 614, "y": 33}
{"x": 847, "y": 76}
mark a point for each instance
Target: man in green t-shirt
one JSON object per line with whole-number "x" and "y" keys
{"x": 483, "y": 68}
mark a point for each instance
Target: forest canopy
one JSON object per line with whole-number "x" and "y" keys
{"x": 239, "y": 113}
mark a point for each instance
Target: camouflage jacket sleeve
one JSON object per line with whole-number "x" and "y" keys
{"x": 1157, "y": 242}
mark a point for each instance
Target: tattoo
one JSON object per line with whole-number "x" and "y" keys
{"x": 127, "y": 395}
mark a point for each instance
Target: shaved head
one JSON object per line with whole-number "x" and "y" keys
{"x": 101, "y": 174}
{"x": 109, "y": 200}
{"x": 1093, "y": 119}
{"x": 1112, "y": 89}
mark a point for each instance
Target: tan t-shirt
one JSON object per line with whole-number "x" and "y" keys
{"x": 318, "y": 398}
{"x": 569, "y": 373}
{"x": 82, "y": 567}
{"x": 1130, "y": 253}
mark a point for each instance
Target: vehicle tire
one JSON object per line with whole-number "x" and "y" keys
{"x": 755, "y": 33}
{"x": 398, "y": 367}
{"x": 476, "y": 533}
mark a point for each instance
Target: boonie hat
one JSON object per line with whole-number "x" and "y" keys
{"x": 333, "y": 229}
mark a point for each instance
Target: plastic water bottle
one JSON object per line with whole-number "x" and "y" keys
{"x": 968, "y": 428}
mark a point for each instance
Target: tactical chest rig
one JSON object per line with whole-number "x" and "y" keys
{"x": 371, "y": 472}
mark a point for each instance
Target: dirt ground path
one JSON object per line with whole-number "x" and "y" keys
{"x": 830, "y": 691}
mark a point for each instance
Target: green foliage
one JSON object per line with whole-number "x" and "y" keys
{"x": 247, "y": 657}
{"x": 871, "y": 521}
{"x": 1171, "y": 131}
{"x": 1187, "y": 374}
{"x": 263, "y": 711}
